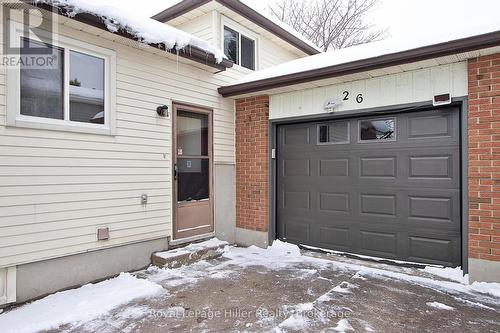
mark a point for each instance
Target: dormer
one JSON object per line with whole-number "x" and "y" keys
{"x": 252, "y": 40}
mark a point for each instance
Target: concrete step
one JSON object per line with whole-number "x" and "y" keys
{"x": 189, "y": 254}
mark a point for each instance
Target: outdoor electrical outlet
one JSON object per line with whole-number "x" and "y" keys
{"x": 144, "y": 199}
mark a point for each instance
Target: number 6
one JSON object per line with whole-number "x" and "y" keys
{"x": 359, "y": 98}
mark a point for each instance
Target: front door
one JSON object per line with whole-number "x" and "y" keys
{"x": 192, "y": 171}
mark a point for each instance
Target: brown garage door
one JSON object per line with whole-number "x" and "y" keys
{"x": 386, "y": 186}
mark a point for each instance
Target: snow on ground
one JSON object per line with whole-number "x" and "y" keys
{"x": 439, "y": 306}
{"x": 454, "y": 274}
{"x": 343, "y": 326}
{"x": 145, "y": 29}
{"x": 77, "y": 305}
{"x": 95, "y": 301}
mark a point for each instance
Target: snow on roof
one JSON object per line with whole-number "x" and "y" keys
{"x": 355, "y": 53}
{"x": 145, "y": 29}
{"x": 261, "y": 10}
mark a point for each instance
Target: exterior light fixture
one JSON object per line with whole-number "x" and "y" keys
{"x": 162, "y": 111}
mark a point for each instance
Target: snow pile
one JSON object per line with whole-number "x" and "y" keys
{"x": 344, "y": 288}
{"x": 213, "y": 242}
{"x": 439, "y": 306}
{"x": 146, "y": 30}
{"x": 343, "y": 326}
{"x": 295, "y": 322}
{"x": 454, "y": 274}
{"x": 77, "y": 305}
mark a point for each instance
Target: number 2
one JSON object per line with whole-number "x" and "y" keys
{"x": 346, "y": 95}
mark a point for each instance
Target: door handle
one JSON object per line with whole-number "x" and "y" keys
{"x": 175, "y": 171}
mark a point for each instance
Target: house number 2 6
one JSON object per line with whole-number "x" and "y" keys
{"x": 359, "y": 97}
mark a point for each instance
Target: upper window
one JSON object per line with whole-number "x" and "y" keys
{"x": 334, "y": 132}
{"x": 74, "y": 93}
{"x": 239, "y": 48}
{"x": 377, "y": 130}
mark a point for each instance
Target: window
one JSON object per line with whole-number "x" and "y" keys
{"x": 333, "y": 133}
{"x": 377, "y": 130}
{"x": 75, "y": 93}
{"x": 239, "y": 48}
{"x": 42, "y": 90}
{"x": 86, "y": 88}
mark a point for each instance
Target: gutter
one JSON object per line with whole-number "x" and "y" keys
{"x": 393, "y": 59}
{"x": 191, "y": 52}
{"x": 243, "y": 10}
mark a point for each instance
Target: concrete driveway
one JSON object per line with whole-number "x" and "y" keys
{"x": 252, "y": 290}
{"x": 282, "y": 290}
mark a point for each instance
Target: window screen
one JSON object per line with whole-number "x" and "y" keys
{"x": 42, "y": 89}
{"x": 377, "y": 130}
{"x": 231, "y": 41}
{"x": 335, "y": 132}
{"x": 247, "y": 53}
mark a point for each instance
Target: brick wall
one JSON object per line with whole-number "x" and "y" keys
{"x": 484, "y": 157}
{"x": 252, "y": 116}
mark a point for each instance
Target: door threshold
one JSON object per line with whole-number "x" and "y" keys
{"x": 181, "y": 241}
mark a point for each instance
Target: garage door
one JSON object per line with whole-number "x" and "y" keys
{"x": 386, "y": 186}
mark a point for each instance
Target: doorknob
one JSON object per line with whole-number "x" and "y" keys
{"x": 175, "y": 171}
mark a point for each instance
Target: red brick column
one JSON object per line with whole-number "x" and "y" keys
{"x": 484, "y": 157}
{"x": 252, "y": 115}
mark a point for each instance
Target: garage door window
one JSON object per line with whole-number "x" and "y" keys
{"x": 333, "y": 133}
{"x": 377, "y": 130}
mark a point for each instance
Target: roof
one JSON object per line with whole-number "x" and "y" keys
{"x": 352, "y": 60}
{"x": 143, "y": 30}
{"x": 274, "y": 26}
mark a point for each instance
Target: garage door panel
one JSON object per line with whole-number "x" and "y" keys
{"x": 296, "y": 167}
{"x": 395, "y": 199}
{"x": 296, "y": 136}
{"x": 334, "y": 167}
{"x": 298, "y": 231}
{"x": 434, "y": 208}
{"x": 433, "y": 250}
{"x": 378, "y": 167}
{"x": 378, "y": 243}
{"x": 295, "y": 200}
{"x": 378, "y": 204}
{"x": 334, "y": 202}
{"x": 432, "y": 125}
{"x": 431, "y": 166}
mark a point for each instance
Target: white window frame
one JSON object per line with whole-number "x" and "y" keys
{"x": 226, "y": 22}
{"x": 16, "y": 119}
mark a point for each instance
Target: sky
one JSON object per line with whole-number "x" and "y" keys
{"x": 404, "y": 19}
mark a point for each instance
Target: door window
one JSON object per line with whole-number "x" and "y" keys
{"x": 193, "y": 161}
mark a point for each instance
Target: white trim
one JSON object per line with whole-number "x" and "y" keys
{"x": 15, "y": 119}
{"x": 8, "y": 293}
{"x": 227, "y": 22}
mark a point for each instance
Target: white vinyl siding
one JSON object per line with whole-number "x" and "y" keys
{"x": 272, "y": 55}
{"x": 209, "y": 26}
{"x": 403, "y": 88}
{"x": 57, "y": 188}
{"x": 200, "y": 27}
